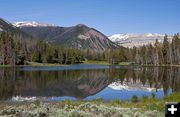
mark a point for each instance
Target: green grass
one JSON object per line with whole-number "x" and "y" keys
{"x": 6, "y": 66}
{"x": 35, "y": 64}
{"x": 88, "y": 62}
{"x": 56, "y": 64}
{"x": 43, "y": 64}
{"x": 104, "y": 62}
{"x": 124, "y": 63}
{"x": 96, "y": 62}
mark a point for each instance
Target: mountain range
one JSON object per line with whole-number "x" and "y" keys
{"x": 78, "y": 36}
{"x": 130, "y": 40}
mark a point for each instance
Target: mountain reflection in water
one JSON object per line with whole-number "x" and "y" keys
{"x": 55, "y": 85}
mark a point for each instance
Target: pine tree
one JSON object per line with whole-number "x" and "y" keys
{"x": 156, "y": 53}
{"x": 165, "y": 49}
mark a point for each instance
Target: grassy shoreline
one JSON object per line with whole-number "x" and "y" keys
{"x": 88, "y": 62}
{"x": 34, "y": 64}
{"x": 150, "y": 107}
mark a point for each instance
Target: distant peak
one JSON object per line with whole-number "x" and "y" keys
{"x": 31, "y": 24}
{"x": 81, "y": 25}
{"x": 128, "y": 35}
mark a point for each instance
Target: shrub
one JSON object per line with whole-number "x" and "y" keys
{"x": 37, "y": 103}
{"x": 115, "y": 102}
{"x": 134, "y": 99}
{"x": 144, "y": 98}
{"x": 153, "y": 95}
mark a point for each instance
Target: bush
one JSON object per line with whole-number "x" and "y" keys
{"x": 134, "y": 99}
{"x": 37, "y": 103}
{"x": 153, "y": 95}
{"x": 144, "y": 98}
{"x": 115, "y": 102}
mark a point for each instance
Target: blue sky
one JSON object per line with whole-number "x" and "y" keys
{"x": 107, "y": 16}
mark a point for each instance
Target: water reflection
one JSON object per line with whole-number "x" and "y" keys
{"x": 83, "y": 84}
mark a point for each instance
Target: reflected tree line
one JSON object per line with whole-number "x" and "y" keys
{"x": 82, "y": 83}
{"x": 156, "y": 77}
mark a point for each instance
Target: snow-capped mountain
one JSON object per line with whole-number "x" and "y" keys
{"x": 119, "y": 37}
{"x": 8, "y": 27}
{"x": 78, "y": 36}
{"x": 131, "y": 40}
{"x": 31, "y": 24}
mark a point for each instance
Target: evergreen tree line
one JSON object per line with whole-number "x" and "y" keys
{"x": 159, "y": 53}
{"x": 112, "y": 56}
{"x": 14, "y": 50}
{"x": 164, "y": 53}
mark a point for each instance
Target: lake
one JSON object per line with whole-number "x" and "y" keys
{"x": 86, "y": 82}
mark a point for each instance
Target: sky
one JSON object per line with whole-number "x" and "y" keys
{"x": 108, "y": 16}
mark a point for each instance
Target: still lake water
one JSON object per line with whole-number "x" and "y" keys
{"x": 86, "y": 82}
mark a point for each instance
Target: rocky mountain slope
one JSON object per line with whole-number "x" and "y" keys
{"x": 79, "y": 36}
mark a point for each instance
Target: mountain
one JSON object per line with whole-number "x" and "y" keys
{"x": 11, "y": 29}
{"x": 79, "y": 36}
{"x": 31, "y": 24}
{"x": 131, "y": 40}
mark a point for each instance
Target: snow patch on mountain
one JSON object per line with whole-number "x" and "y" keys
{"x": 31, "y": 24}
{"x": 83, "y": 37}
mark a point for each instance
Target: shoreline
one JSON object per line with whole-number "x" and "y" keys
{"x": 35, "y": 64}
{"x": 68, "y": 108}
